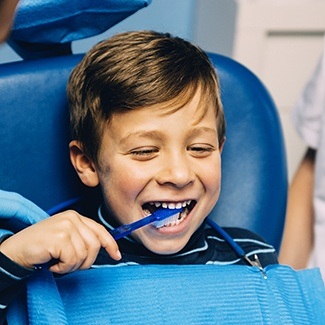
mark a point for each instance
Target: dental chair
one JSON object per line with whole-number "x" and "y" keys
{"x": 34, "y": 137}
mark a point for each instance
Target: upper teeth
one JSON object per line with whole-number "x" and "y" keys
{"x": 175, "y": 205}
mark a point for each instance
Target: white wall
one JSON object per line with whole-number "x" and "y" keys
{"x": 279, "y": 40}
{"x": 215, "y": 25}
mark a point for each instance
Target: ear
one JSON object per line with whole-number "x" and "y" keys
{"x": 221, "y": 144}
{"x": 84, "y": 167}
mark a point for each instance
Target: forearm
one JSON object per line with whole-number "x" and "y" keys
{"x": 297, "y": 240}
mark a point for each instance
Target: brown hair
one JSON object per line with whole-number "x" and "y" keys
{"x": 135, "y": 70}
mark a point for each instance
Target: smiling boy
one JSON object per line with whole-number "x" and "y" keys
{"x": 149, "y": 158}
{"x": 148, "y": 130}
{"x": 151, "y": 103}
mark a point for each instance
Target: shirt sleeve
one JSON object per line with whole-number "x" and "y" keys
{"x": 12, "y": 280}
{"x": 310, "y": 108}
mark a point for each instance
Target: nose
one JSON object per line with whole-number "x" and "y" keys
{"x": 176, "y": 171}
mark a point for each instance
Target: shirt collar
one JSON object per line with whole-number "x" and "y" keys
{"x": 130, "y": 246}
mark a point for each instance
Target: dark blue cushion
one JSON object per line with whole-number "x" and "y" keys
{"x": 254, "y": 172}
{"x": 34, "y": 130}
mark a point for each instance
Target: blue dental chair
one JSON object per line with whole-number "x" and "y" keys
{"x": 34, "y": 137}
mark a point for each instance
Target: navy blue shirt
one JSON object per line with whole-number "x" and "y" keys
{"x": 206, "y": 246}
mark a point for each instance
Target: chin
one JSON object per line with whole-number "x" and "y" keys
{"x": 167, "y": 248}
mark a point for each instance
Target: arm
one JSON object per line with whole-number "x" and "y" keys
{"x": 297, "y": 239}
{"x": 70, "y": 238}
{"x": 12, "y": 276}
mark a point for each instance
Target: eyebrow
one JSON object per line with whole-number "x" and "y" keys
{"x": 156, "y": 135}
{"x": 142, "y": 134}
{"x": 202, "y": 129}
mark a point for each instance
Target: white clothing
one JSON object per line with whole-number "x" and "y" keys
{"x": 309, "y": 120}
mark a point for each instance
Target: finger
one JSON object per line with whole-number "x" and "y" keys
{"x": 67, "y": 261}
{"x": 105, "y": 239}
{"x": 71, "y": 247}
{"x": 91, "y": 241}
{"x": 86, "y": 238}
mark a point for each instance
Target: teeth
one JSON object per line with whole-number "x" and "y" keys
{"x": 146, "y": 213}
{"x": 179, "y": 205}
{"x": 171, "y": 221}
{"x": 175, "y": 219}
{"x": 175, "y": 205}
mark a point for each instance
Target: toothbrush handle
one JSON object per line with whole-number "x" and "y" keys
{"x": 125, "y": 230}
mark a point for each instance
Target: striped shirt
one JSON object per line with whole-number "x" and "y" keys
{"x": 206, "y": 246}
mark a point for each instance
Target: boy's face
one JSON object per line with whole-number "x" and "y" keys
{"x": 149, "y": 158}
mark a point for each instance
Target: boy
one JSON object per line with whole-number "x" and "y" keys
{"x": 147, "y": 130}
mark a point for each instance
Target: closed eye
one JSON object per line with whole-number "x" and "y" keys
{"x": 201, "y": 150}
{"x": 144, "y": 153}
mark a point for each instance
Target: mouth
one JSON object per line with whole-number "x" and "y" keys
{"x": 175, "y": 219}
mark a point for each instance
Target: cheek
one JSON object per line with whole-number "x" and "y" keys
{"x": 211, "y": 175}
{"x": 211, "y": 180}
{"x": 123, "y": 182}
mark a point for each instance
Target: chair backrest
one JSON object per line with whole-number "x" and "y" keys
{"x": 254, "y": 168}
{"x": 34, "y": 136}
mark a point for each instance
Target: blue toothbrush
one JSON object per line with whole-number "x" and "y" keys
{"x": 158, "y": 215}
{"x": 125, "y": 230}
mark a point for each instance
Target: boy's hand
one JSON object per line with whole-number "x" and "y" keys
{"x": 70, "y": 238}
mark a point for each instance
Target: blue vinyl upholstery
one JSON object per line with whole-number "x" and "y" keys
{"x": 34, "y": 140}
{"x": 254, "y": 169}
